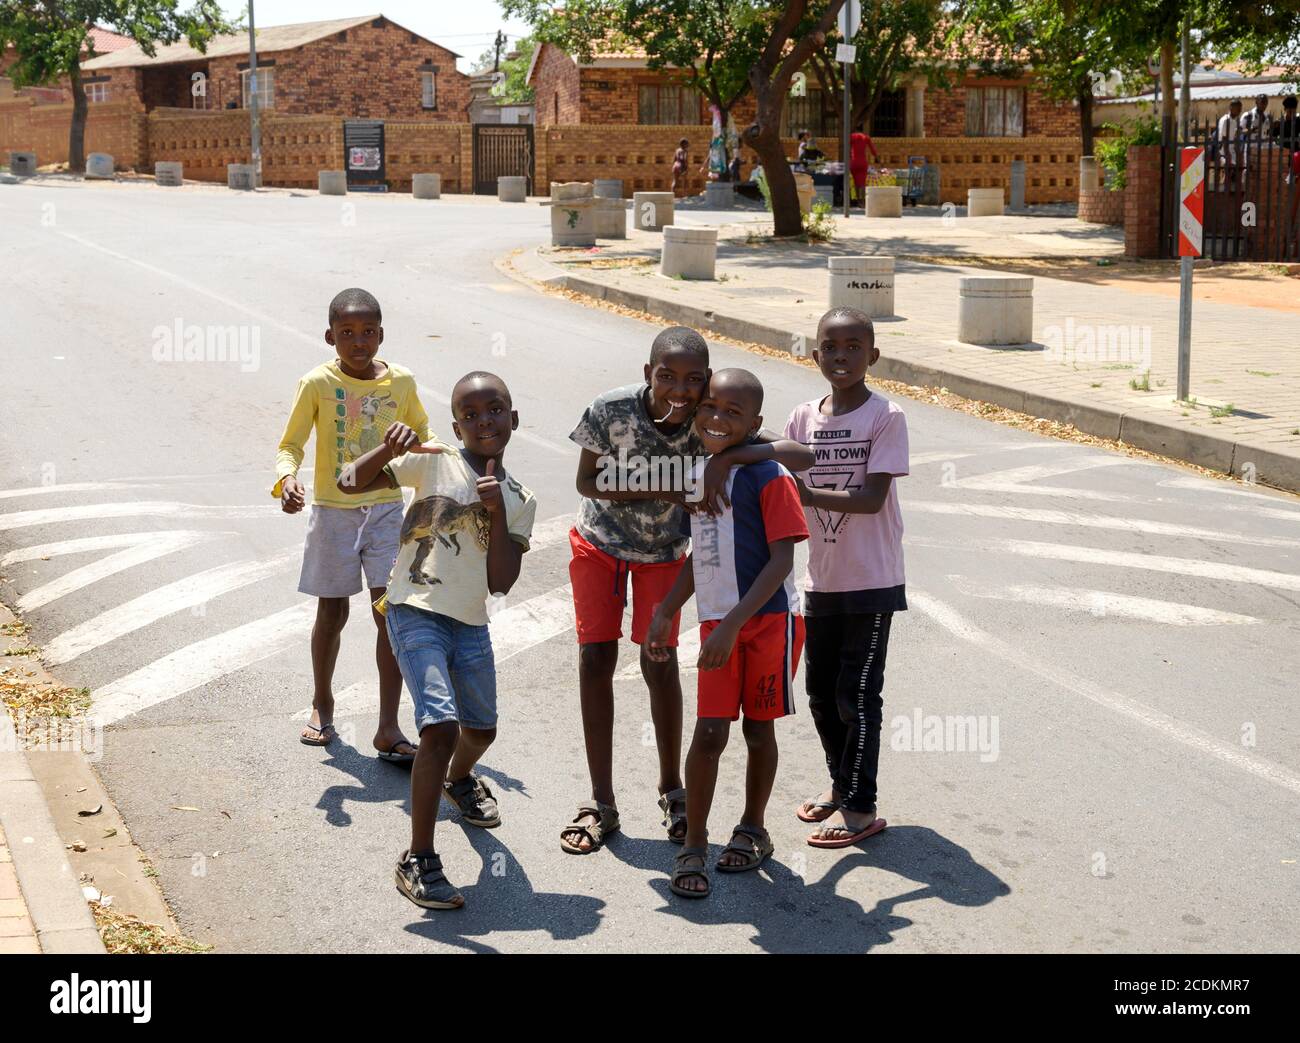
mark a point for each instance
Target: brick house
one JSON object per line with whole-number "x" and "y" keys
{"x": 366, "y": 66}
{"x": 102, "y": 41}
{"x": 619, "y": 88}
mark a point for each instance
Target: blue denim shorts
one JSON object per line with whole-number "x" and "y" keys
{"x": 448, "y": 667}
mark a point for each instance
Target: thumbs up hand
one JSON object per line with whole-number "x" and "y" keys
{"x": 489, "y": 490}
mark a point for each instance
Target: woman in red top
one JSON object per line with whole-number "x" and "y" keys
{"x": 858, "y": 145}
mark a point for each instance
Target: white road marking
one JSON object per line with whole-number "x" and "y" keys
{"x": 688, "y": 654}
{"x": 186, "y": 593}
{"x": 921, "y": 459}
{"x": 95, "y": 511}
{"x": 520, "y": 627}
{"x": 1119, "y": 559}
{"x": 551, "y": 531}
{"x": 1170, "y": 727}
{"x": 1227, "y": 489}
{"x": 162, "y": 543}
{"x": 1094, "y": 521}
{"x": 313, "y": 339}
{"x": 71, "y": 487}
{"x": 1022, "y": 475}
{"x": 1103, "y": 603}
{"x": 84, "y": 545}
{"x": 203, "y": 662}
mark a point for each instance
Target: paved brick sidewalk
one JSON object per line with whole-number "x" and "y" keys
{"x": 1243, "y": 356}
{"x": 17, "y": 935}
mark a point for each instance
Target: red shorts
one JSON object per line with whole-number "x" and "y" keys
{"x": 759, "y": 676}
{"x": 600, "y": 583}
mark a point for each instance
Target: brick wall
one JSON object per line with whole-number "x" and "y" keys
{"x": 945, "y": 110}
{"x": 1101, "y": 207}
{"x": 555, "y": 88}
{"x": 424, "y": 148}
{"x": 112, "y": 127}
{"x": 1051, "y": 164}
{"x": 1142, "y": 202}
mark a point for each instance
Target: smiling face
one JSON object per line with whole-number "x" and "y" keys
{"x": 677, "y": 380}
{"x": 728, "y": 414}
{"x": 846, "y": 348}
{"x": 482, "y": 416}
{"x": 355, "y": 334}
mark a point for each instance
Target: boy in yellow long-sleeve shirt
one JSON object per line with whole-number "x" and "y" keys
{"x": 349, "y": 402}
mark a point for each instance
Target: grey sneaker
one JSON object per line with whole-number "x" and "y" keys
{"x": 421, "y": 879}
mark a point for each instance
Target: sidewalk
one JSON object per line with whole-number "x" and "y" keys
{"x": 773, "y": 293}
{"x": 17, "y": 935}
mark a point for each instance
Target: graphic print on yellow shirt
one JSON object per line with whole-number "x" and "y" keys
{"x": 349, "y": 417}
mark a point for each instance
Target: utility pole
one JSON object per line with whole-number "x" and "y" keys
{"x": 498, "y": 44}
{"x": 254, "y": 107}
{"x": 1185, "y": 263}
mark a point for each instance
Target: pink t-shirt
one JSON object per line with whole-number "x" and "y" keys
{"x": 854, "y": 552}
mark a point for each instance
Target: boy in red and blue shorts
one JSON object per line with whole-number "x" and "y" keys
{"x": 750, "y": 628}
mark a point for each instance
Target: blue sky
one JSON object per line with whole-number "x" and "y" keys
{"x": 465, "y": 26}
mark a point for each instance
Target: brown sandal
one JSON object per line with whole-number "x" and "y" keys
{"x": 673, "y": 819}
{"x": 606, "y": 823}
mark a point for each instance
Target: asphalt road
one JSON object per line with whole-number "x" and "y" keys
{"x": 1124, "y": 634}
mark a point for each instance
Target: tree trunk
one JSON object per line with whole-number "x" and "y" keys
{"x": 764, "y": 137}
{"x": 1085, "y": 118}
{"x": 77, "y": 129}
{"x": 1168, "y": 103}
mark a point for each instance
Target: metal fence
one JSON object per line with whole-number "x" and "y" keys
{"x": 1252, "y": 185}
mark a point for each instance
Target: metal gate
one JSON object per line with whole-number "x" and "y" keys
{"x": 363, "y": 155}
{"x": 502, "y": 150}
{"x": 1252, "y": 187}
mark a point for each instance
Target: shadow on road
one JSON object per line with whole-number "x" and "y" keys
{"x": 792, "y": 915}
{"x": 503, "y": 899}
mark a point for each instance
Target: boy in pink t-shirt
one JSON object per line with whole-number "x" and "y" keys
{"x": 855, "y": 570}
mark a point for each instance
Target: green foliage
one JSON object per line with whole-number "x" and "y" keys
{"x": 760, "y": 179}
{"x": 514, "y": 89}
{"x": 1112, "y": 152}
{"x": 819, "y": 225}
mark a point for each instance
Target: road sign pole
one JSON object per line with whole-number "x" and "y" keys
{"x": 254, "y": 110}
{"x": 844, "y": 145}
{"x": 849, "y": 21}
{"x": 1185, "y": 258}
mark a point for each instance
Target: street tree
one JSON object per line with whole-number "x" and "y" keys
{"x": 52, "y": 37}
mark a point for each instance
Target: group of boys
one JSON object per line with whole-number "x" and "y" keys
{"x": 738, "y": 506}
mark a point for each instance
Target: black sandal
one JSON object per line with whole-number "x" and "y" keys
{"x": 759, "y": 848}
{"x": 681, "y": 871}
{"x": 673, "y": 819}
{"x": 421, "y": 879}
{"x": 477, "y": 805}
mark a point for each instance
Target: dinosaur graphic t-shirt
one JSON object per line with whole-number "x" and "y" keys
{"x": 441, "y": 564}
{"x": 349, "y": 417}
{"x": 855, "y": 561}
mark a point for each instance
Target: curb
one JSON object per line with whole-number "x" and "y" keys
{"x": 50, "y": 888}
{"x": 1265, "y": 466}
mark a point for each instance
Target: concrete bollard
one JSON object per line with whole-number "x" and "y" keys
{"x": 99, "y": 167}
{"x": 426, "y": 186}
{"x": 719, "y": 195}
{"x": 512, "y": 189}
{"x": 241, "y": 176}
{"x": 608, "y": 187}
{"x": 803, "y": 186}
{"x": 332, "y": 182}
{"x": 884, "y": 200}
{"x": 651, "y": 211}
{"x": 1089, "y": 177}
{"x": 984, "y": 202}
{"x": 611, "y": 218}
{"x": 573, "y": 214}
{"x": 22, "y": 164}
{"x": 995, "y": 310}
{"x": 169, "y": 174}
{"x": 1017, "y": 184}
{"x": 865, "y": 283}
{"x": 691, "y": 253}
{"x": 824, "y": 194}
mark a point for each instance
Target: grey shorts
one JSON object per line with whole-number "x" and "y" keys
{"x": 345, "y": 543}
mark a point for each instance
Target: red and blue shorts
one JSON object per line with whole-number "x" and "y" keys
{"x": 759, "y": 676}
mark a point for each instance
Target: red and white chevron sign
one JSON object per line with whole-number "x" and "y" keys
{"x": 1191, "y": 193}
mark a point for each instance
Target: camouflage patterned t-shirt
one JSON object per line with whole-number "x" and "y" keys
{"x": 617, "y": 428}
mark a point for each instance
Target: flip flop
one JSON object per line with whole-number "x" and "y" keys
{"x": 397, "y": 758}
{"x": 815, "y": 840}
{"x": 826, "y": 807}
{"x": 326, "y": 734}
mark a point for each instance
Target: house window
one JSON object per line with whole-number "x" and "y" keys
{"x": 97, "y": 92}
{"x": 809, "y": 113}
{"x": 995, "y": 112}
{"x": 428, "y": 90}
{"x": 265, "y": 87}
{"x": 662, "y": 104}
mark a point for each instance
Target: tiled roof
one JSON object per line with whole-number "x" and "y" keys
{"x": 106, "y": 41}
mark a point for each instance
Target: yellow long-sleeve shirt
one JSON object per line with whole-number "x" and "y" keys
{"x": 349, "y": 417}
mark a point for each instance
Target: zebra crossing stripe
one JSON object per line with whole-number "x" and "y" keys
{"x": 82, "y": 545}
{"x": 73, "y": 487}
{"x": 138, "y": 613}
{"x": 202, "y": 662}
{"x": 160, "y": 544}
{"x": 1178, "y": 731}
{"x": 143, "y": 508}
